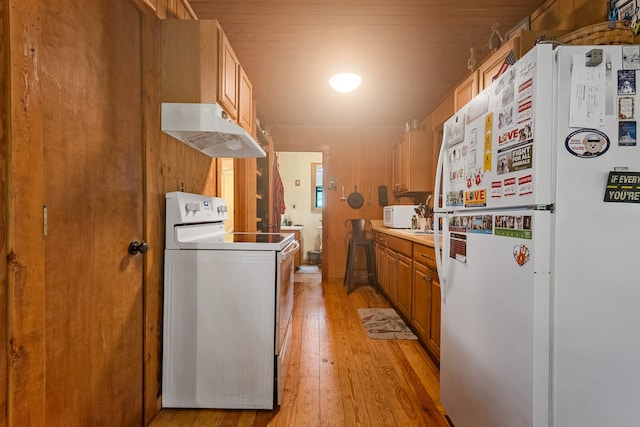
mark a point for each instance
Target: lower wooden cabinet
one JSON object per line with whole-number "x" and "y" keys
{"x": 408, "y": 277}
{"x": 391, "y": 287}
{"x": 426, "y": 297}
{"x": 434, "y": 316}
{"x": 380, "y": 240}
{"x": 297, "y": 233}
{"x": 404, "y": 285}
{"x": 420, "y": 318}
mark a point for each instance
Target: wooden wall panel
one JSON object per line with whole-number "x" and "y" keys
{"x": 354, "y": 157}
{"x": 170, "y": 166}
{"x": 568, "y": 14}
{"x": 25, "y": 240}
{"x": 3, "y": 215}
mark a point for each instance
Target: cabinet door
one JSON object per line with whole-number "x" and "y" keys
{"x": 229, "y": 70}
{"x": 404, "y": 285}
{"x": 412, "y": 163}
{"x": 465, "y": 91}
{"x": 397, "y": 178}
{"x": 434, "y": 325}
{"x": 381, "y": 266}
{"x": 391, "y": 288}
{"x": 488, "y": 70}
{"x": 245, "y": 102}
{"x": 405, "y": 163}
{"x": 420, "y": 316}
{"x": 299, "y": 255}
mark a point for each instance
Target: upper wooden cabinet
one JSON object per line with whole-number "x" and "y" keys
{"x": 229, "y": 77}
{"x": 411, "y": 163}
{"x": 521, "y": 43}
{"x": 200, "y": 66}
{"x": 245, "y": 102}
{"x": 465, "y": 91}
{"x": 489, "y": 68}
{"x": 435, "y": 121}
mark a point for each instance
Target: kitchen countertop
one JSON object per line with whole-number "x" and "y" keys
{"x": 423, "y": 239}
{"x": 291, "y": 227}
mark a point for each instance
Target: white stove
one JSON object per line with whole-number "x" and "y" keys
{"x": 194, "y": 221}
{"x": 227, "y": 309}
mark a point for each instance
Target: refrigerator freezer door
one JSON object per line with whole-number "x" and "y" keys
{"x": 496, "y": 151}
{"x": 597, "y": 296}
{"x": 495, "y": 312}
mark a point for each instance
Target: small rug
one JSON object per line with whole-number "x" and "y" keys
{"x": 308, "y": 269}
{"x": 385, "y": 324}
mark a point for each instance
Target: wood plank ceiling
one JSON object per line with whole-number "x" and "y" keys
{"x": 410, "y": 53}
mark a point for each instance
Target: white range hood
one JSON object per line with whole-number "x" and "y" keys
{"x": 206, "y": 128}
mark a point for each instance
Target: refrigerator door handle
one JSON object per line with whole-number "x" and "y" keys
{"x": 439, "y": 213}
{"x": 440, "y": 259}
{"x": 437, "y": 196}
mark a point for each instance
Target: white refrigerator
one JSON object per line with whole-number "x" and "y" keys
{"x": 539, "y": 224}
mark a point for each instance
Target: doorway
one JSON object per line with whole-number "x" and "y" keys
{"x": 302, "y": 175}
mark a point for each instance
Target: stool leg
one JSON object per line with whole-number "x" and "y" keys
{"x": 347, "y": 266}
{"x": 371, "y": 266}
{"x": 352, "y": 263}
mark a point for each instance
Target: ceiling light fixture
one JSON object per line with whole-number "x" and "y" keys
{"x": 345, "y": 82}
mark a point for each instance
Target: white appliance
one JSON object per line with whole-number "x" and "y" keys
{"x": 540, "y": 296}
{"x": 207, "y": 128}
{"x": 398, "y": 216}
{"x": 228, "y": 299}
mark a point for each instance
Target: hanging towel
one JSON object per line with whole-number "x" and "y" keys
{"x": 278, "y": 199}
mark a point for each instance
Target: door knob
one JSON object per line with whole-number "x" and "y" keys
{"x": 136, "y": 248}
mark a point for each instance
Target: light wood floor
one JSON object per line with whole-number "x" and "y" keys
{"x": 338, "y": 376}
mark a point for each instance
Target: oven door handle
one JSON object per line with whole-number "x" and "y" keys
{"x": 291, "y": 249}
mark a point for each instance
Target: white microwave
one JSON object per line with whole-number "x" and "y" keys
{"x": 399, "y": 216}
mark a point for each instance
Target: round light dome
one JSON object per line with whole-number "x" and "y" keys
{"x": 345, "y": 82}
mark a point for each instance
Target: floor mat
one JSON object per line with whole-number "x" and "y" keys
{"x": 385, "y": 324}
{"x": 308, "y": 269}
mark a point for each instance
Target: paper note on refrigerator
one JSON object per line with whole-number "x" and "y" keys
{"x": 587, "y": 104}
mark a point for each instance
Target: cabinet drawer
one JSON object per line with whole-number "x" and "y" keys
{"x": 381, "y": 239}
{"x": 400, "y": 245}
{"x": 425, "y": 255}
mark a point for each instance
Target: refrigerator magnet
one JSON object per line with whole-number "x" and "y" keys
{"x": 627, "y": 134}
{"x": 521, "y": 254}
{"x": 587, "y": 143}
{"x": 626, "y": 108}
{"x": 626, "y": 82}
{"x": 623, "y": 187}
{"x": 631, "y": 57}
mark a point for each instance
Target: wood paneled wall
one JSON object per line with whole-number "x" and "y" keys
{"x": 568, "y": 14}
{"x": 25, "y": 240}
{"x": 3, "y": 215}
{"x": 169, "y": 166}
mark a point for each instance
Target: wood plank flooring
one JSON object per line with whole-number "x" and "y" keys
{"x": 338, "y": 376}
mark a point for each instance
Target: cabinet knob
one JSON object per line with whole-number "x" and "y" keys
{"x": 138, "y": 248}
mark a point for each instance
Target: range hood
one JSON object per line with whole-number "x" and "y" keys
{"x": 206, "y": 128}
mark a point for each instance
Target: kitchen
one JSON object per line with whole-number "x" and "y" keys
{"x": 44, "y": 181}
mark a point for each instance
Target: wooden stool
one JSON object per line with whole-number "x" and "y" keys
{"x": 359, "y": 234}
